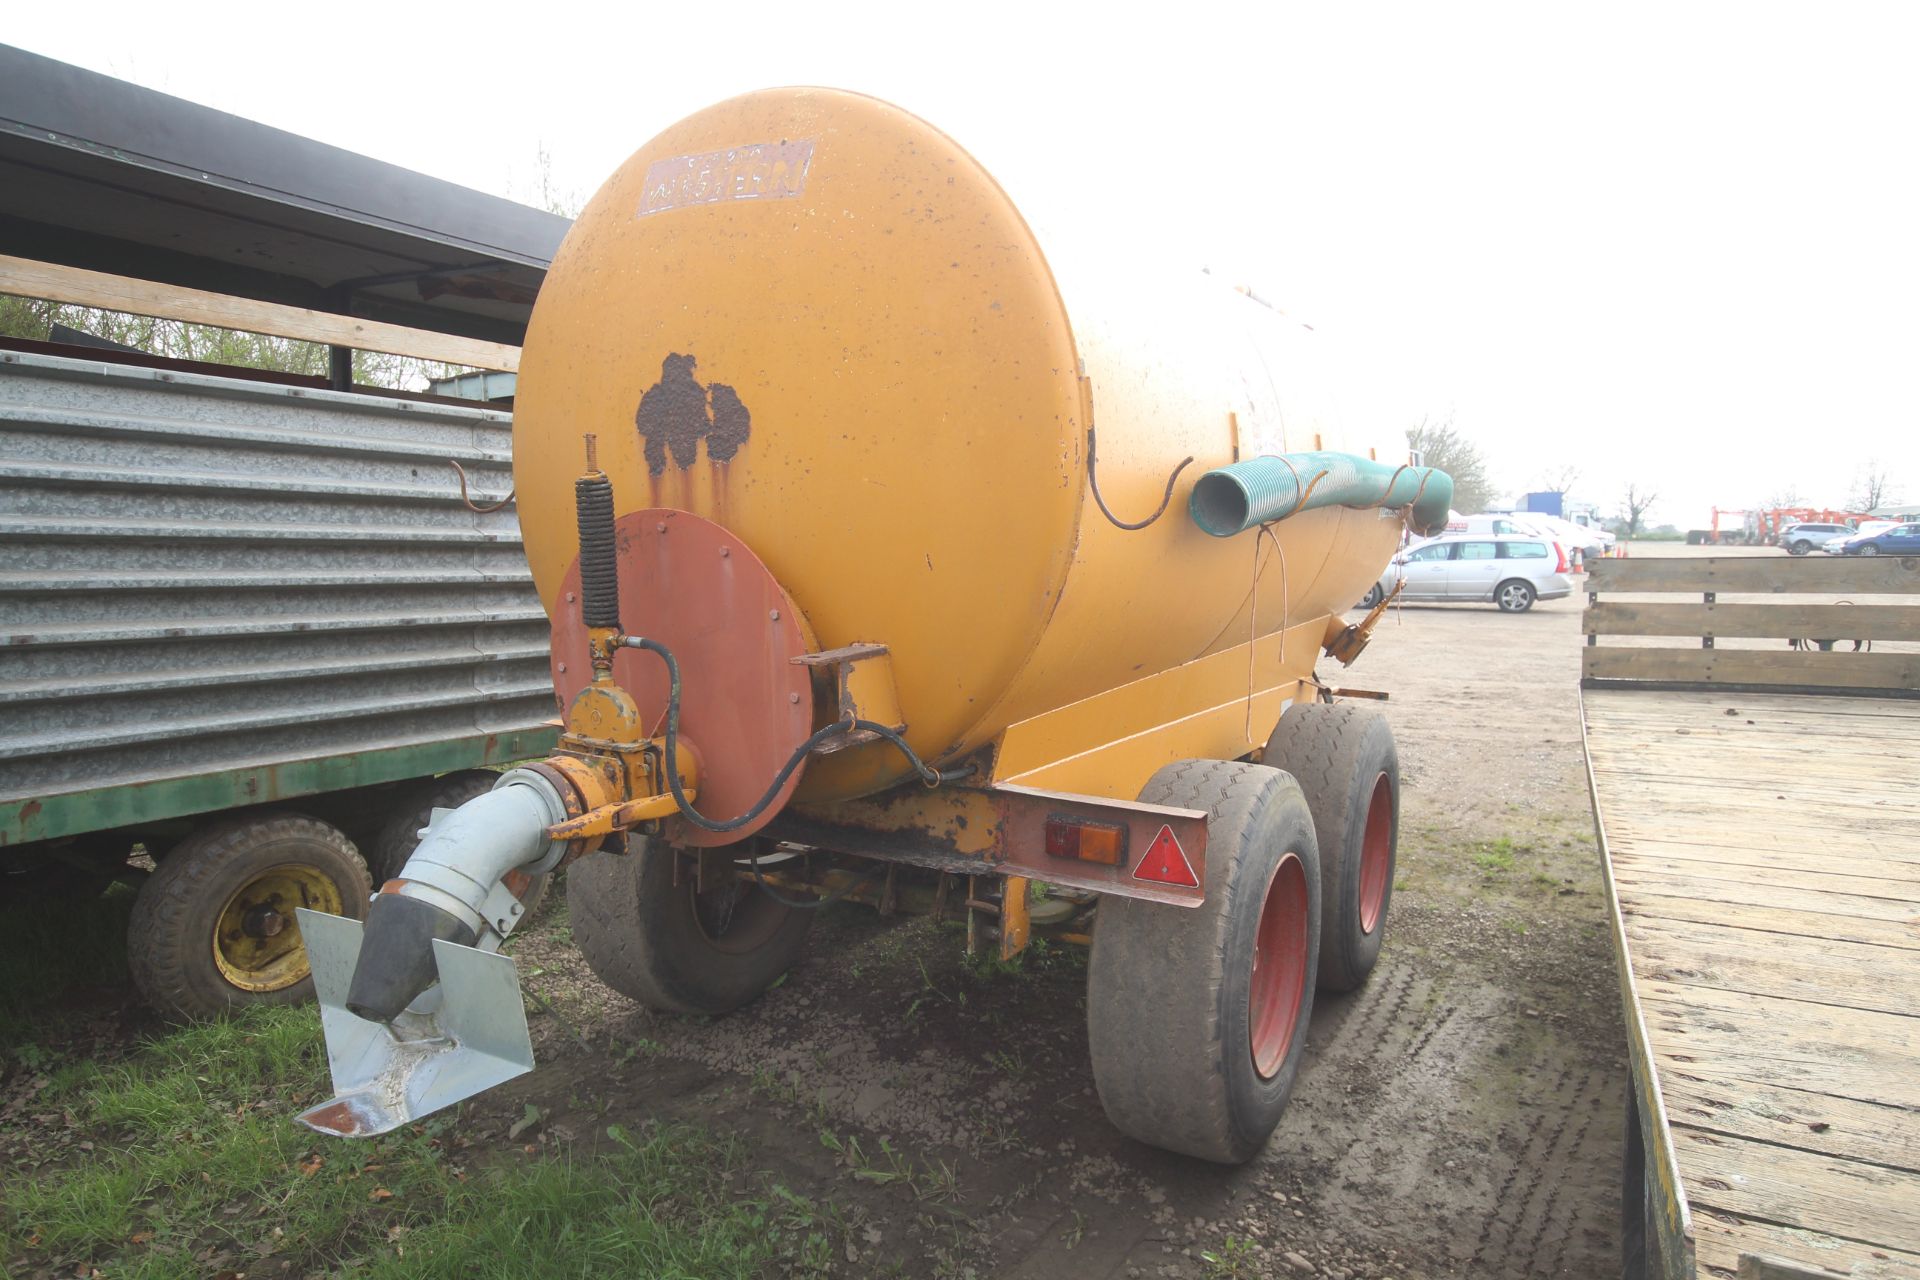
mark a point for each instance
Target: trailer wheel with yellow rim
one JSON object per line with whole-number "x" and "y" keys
{"x": 214, "y": 925}
{"x": 1197, "y": 1016}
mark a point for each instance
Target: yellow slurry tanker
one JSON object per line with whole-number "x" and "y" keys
{"x": 893, "y": 558}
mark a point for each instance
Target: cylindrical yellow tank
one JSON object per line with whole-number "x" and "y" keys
{"x": 812, "y": 318}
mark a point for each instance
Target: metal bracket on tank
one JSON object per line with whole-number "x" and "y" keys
{"x": 864, "y": 689}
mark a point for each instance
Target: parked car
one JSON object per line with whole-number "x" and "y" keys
{"x": 1866, "y": 529}
{"x": 1497, "y": 523}
{"x": 1799, "y": 539}
{"x": 1900, "y": 540}
{"x": 1511, "y": 571}
{"x": 1592, "y": 540}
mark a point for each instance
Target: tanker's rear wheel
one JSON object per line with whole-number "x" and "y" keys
{"x": 1197, "y": 1017}
{"x": 1344, "y": 758}
{"x": 671, "y": 947}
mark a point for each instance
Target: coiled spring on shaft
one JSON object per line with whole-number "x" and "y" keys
{"x": 599, "y": 583}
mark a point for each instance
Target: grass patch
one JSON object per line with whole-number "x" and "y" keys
{"x": 196, "y": 1164}
{"x": 1494, "y": 856}
{"x": 183, "y": 1159}
{"x": 1235, "y": 1259}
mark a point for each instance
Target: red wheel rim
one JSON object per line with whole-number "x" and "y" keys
{"x": 1376, "y": 854}
{"x": 1279, "y": 985}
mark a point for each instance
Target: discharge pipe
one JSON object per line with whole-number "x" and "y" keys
{"x": 1244, "y": 495}
{"x": 444, "y": 890}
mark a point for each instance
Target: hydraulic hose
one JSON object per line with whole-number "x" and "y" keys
{"x": 929, "y": 775}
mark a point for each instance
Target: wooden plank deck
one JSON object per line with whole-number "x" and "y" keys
{"x": 1764, "y": 853}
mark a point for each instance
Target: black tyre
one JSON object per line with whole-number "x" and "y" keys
{"x": 1515, "y": 595}
{"x": 1195, "y": 1048}
{"x": 1868, "y": 550}
{"x": 1372, "y": 597}
{"x": 400, "y": 835}
{"x": 673, "y": 949}
{"x": 1344, "y": 759}
{"x": 1801, "y": 547}
{"x": 214, "y": 926}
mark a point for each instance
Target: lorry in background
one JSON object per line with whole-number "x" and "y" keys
{"x": 1574, "y": 525}
{"x": 1552, "y": 502}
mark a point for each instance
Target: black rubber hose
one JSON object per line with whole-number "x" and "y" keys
{"x": 1093, "y": 482}
{"x": 599, "y": 568}
{"x": 929, "y": 775}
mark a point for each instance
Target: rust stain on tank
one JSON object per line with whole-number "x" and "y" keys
{"x": 718, "y": 473}
{"x": 678, "y": 412}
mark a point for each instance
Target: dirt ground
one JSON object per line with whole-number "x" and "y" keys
{"x": 1461, "y": 1115}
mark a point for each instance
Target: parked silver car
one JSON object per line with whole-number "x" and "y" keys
{"x": 1511, "y": 571}
{"x": 1801, "y": 538}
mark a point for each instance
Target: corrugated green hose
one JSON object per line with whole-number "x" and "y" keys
{"x": 1245, "y": 495}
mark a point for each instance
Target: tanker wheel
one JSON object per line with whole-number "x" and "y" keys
{"x": 214, "y": 926}
{"x": 674, "y": 949}
{"x": 1197, "y": 1016}
{"x": 400, "y": 836}
{"x": 1344, "y": 759}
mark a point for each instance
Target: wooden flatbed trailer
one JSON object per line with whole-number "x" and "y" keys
{"x": 1759, "y": 825}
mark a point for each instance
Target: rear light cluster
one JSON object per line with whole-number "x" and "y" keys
{"x": 1089, "y": 840}
{"x": 1085, "y": 840}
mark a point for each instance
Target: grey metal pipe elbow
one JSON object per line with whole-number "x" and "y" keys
{"x": 465, "y": 851}
{"x": 444, "y": 890}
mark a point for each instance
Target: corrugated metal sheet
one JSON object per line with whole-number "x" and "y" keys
{"x": 199, "y": 574}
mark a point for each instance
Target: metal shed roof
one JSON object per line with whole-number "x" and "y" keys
{"x": 99, "y": 173}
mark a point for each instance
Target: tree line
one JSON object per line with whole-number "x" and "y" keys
{"x": 34, "y": 320}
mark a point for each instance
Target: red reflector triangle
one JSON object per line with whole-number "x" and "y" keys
{"x": 1166, "y": 862}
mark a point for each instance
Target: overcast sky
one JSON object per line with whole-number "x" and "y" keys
{"x": 1675, "y": 244}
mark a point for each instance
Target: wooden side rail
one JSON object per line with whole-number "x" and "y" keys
{"x": 1759, "y": 575}
{"x": 30, "y": 279}
{"x": 1842, "y": 623}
